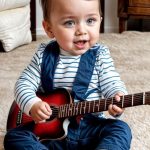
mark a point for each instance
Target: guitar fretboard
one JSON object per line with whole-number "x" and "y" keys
{"x": 84, "y": 107}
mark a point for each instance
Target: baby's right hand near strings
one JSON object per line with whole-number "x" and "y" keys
{"x": 40, "y": 111}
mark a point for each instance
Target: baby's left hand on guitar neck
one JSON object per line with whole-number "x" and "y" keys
{"x": 114, "y": 110}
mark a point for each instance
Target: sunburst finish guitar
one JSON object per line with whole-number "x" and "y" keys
{"x": 63, "y": 107}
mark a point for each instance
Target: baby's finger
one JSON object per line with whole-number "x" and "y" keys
{"x": 45, "y": 109}
{"x": 117, "y": 96}
{"x": 111, "y": 110}
{"x": 48, "y": 108}
{"x": 43, "y": 116}
{"x": 117, "y": 109}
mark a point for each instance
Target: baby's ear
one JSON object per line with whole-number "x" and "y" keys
{"x": 47, "y": 28}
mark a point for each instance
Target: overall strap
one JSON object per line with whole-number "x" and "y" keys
{"x": 84, "y": 74}
{"x": 49, "y": 62}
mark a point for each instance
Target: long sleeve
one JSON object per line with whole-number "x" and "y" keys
{"x": 29, "y": 82}
{"x": 109, "y": 79}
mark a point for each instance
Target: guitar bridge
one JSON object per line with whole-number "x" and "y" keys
{"x": 19, "y": 118}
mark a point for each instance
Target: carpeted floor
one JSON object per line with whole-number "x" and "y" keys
{"x": 131, "y": 54}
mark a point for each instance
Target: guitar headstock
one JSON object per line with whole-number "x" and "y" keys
{"x": 147, "y": 98}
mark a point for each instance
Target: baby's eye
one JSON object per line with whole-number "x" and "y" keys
{"x": 91, "y": 21}
{"x": 69, "y": 23}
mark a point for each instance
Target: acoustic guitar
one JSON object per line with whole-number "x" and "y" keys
{"x": 63, "y": 107}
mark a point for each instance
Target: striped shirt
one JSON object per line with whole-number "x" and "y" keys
{"x": 105, "y": 81}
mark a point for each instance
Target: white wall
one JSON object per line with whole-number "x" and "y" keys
{"x": 111, "y": 20}
{"x": 39, "y": 18}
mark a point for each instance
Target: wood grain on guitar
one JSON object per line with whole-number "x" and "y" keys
{"x": 63, "y": 107}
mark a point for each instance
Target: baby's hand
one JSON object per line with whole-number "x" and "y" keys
{"x": 40, "y": 111}
{"x": 115, "y": 110}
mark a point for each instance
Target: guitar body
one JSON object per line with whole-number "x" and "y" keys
{"x": 53, "y": 127}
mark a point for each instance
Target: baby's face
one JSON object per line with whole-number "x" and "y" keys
{"x": 75, "y": 24}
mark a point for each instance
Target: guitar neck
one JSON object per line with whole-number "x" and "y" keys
{"x": 84, "y": 107}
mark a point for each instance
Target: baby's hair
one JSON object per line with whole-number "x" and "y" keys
{"x": 46, "y": 8}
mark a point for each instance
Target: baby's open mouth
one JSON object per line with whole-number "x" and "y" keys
{"x": 80, "y": 44}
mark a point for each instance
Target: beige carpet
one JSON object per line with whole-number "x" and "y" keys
{"x": 131, "y": 53}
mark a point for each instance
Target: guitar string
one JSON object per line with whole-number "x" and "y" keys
{"x": 90, "y": 105}
{"x": 102, "y": 102}
{"x": 137, "y": 99}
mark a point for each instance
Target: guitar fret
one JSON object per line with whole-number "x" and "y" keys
{"x": 84, "y": 107}
{"x": 143, "y": 97}
{"x": 105, "y": 104}
{"x": 65, "y": 110}
{"x": 93, "y": 105}
{"x": 132, "y": 99}
{"x": 89, "y": 103}
{"x": 99, "y": 103}
{"x": 77, "y": 108}
{"x": 74, "y": 110}
{"x": 70, "y": 110}
{"x": 96, "y": 106}
{"x": 122, "y": 101}
{"x": 61, "y": 111}
{"x": 81, "y": 108}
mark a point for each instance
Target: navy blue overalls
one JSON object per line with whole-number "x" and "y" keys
{"x": 92, "y": 133}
